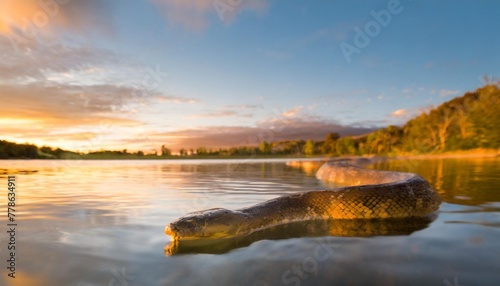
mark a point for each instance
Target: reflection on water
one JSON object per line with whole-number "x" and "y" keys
{"x": 471, "y": 182}
{"x": 317, "y": 228}
{"x": 308, "y": 167}
{"x": 101, "y": 223}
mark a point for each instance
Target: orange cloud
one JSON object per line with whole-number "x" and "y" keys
{"x": 292, "y": 112}
{"x": 92, "y": 133}
{"x": 15, "y": 13}
{"x": 399, "y": 113}
{"x": 26, "y": 18}
{"x": 402, "y": 115}
{"x": 64, "y": 116}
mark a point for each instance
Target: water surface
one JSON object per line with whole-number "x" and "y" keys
{"x": 101, "y": 223}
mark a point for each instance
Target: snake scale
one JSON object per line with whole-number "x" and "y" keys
{"x": 367, "y": 194}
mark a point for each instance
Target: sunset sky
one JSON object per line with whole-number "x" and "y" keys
{"x": 103, "y": 74}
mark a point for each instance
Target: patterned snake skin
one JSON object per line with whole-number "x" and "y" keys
{"x": 368, "y": 194}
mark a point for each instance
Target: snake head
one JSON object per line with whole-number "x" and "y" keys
{"x": 211, "y": 223}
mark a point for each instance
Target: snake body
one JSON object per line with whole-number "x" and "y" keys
{"x": 367, "y": 194}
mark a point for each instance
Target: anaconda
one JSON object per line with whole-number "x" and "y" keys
{"x": 367, "y": 194}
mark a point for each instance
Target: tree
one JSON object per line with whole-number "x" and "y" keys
{"x": 485, "y": 116}
{"x": 443, "y": 122}
{"x": 265, "y": 148}
{"x": 372, "y": 143}
{"x": 183, "y": 152}
{"x": 309, "y": 148}
{"x": 346, "y": 146}
{"x": 391, "y": 138}
{"x": 328, "y": 146}
{"x": 202, "y": 151}
{"x": 59, "y": 153}
{"x": 463, "y": 121}
{"x": 165, "y": 151}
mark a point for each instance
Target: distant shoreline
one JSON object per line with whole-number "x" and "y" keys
{"x": 474, "y": 153}
{"x": 465, "y": 154}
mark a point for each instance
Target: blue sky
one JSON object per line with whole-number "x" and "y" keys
{"x": 90, "y": 75}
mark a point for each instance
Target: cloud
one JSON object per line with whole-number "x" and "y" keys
{"x": 401, "y": 116}
{"x": 35, "y": 18}
{"x": 67, "y": 104}
{"x": 175, "y": 99}
{"x": 70, "y": 116}
{"x": 45, "y": 16}
{"x": 245, "y": 106}
{"x": 194, "y": 14}
{"x": 399, "y": 113}
{"x": 446, "y": 92}
{"x": 80, "y": 69}
{"x": 38, "y": 62}
{"x": 215, "y": 114}
{"x": 74, "y": 81}
{"x": 45, "y": 137}
{"x": 75, "y": 104}
{"x": 292, "y": 112}
{"x": 229, "y": 110}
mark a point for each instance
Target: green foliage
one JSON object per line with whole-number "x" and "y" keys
{"x": 12, "y": 150}
{"x": 201, "y": 151}
{"x": 466, "y": 122}
{"x": 310, "y": 148}
{"x": 329, "y": 145}
{"x": 382, "y": 141}
{"x": 346, "y": 146}
{"x": 289, "y": 147}
{"x": 265, "y": 148}
{"x": 485, "y": 117}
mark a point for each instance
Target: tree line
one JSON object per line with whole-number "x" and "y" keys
{"x": 466, "y": 122}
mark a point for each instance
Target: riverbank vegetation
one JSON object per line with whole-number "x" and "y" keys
{"x": 467, "y": 122}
